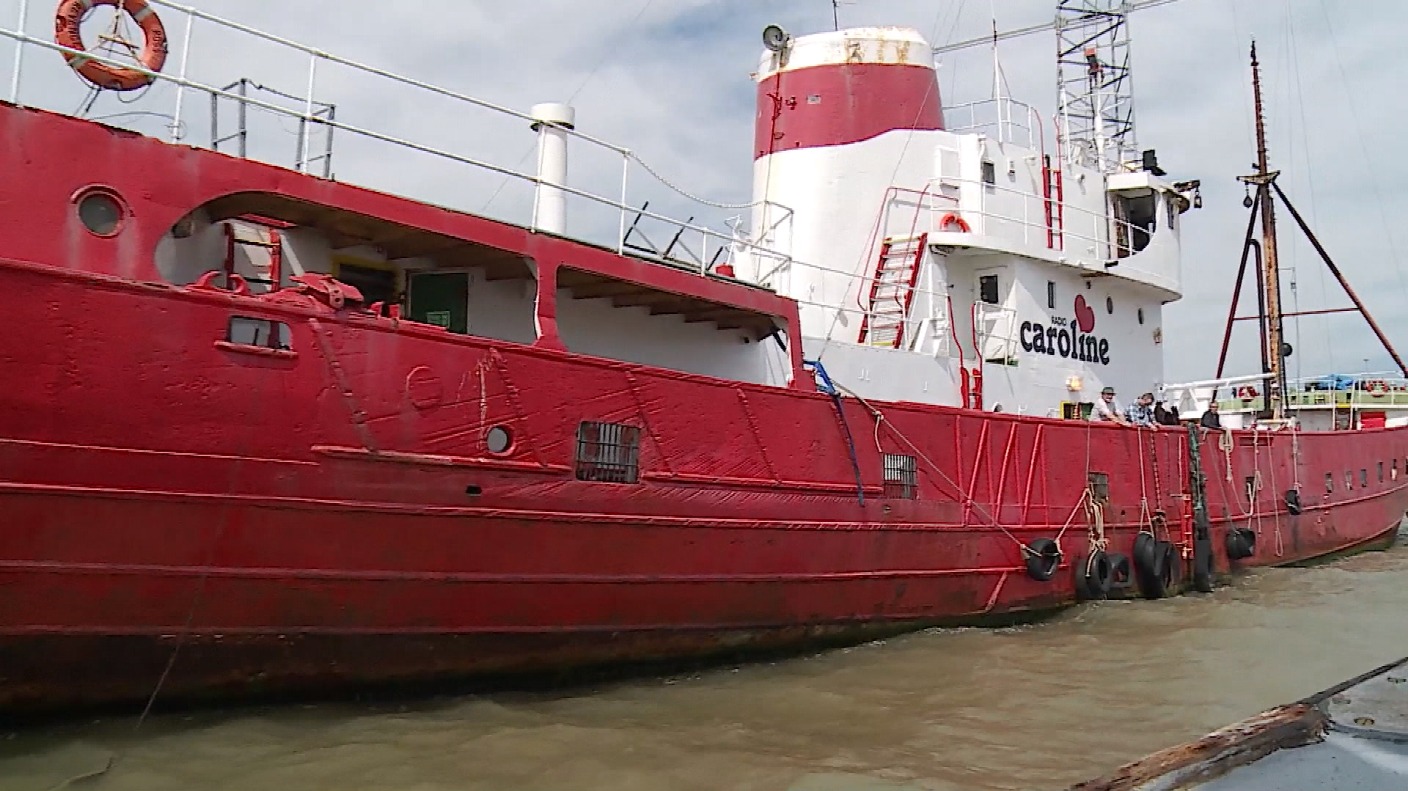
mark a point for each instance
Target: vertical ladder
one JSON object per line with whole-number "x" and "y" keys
{"x": 892, "y": 291}
{"x": 1053, "y": 190}
{"x": 274, "y": 247}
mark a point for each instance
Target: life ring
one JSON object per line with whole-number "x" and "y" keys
{"x": 955, "y": 220}
{"x": 1247, "y": 393}
{"x": 1154, "y": 565}
{"x": 1377, "y": 388}
{"x": 1094, "y": 576}
{"x": 67, "y": 33}
{"x": 1042, "y": 559}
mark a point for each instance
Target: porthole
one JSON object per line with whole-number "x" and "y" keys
{"x": 101, "y": 211}
{"x": 1110, "y": 305}
{"x": 498, "y": 440}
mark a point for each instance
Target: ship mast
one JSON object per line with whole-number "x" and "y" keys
{"x": 1270, "y": 317}
{"x": 1273, "y": 342}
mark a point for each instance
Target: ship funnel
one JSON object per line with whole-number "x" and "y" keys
{"x": 551, "y": 121}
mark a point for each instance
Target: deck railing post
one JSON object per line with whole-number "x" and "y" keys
{"x": 176, "y": 133}
{"x": 19, "y": 54}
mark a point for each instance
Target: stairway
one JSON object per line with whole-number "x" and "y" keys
{"x": 892, "y": 291}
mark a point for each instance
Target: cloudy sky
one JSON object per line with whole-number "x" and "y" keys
{"x": 669, "y": 79}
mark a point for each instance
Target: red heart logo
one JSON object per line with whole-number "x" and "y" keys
{"x": 1085, "y": 315}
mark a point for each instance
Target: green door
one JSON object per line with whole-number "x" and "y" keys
{"x": 442, "y": 299}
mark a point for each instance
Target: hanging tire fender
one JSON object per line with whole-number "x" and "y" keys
{"x": 1042, "y": 557}
{"x": 1094, "y": 575}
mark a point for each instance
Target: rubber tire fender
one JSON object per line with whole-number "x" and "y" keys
{"x": 1043, "y": 557}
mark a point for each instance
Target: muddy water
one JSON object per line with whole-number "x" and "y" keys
{"x": 1034, "y": 707}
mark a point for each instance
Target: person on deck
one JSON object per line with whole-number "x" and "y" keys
{"x": 1140, "y": 412}
{"x": 1210, "y": 419}
{"x": 1165, "y": 417}
{"x": 1105, "y": 410}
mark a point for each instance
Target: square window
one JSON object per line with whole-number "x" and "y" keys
{"x": 901, "y": 476}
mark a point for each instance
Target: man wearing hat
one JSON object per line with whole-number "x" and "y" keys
{"x": 1106, "y": 410}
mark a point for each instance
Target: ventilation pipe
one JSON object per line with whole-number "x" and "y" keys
{"x": 551, "y": 121}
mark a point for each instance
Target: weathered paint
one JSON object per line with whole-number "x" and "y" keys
{"x": 158, "y": 481}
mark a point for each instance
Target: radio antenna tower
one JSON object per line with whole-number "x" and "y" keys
{"x": 1094, "y": 84}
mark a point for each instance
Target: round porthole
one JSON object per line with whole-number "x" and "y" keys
{"x": 1140, "y": 314}
{"x": 1110, "y": 306}
{"x": 498, "y": 440}
{"x": 101, "y": 212}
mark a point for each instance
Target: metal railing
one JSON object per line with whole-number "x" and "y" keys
{"x": 312, "y": 114}
{"x": 1095, "y": 231}
{"x": 1004, "y": 120}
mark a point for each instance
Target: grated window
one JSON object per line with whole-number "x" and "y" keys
{"x": 901, "y": 476}
{"x": 608, "y": 452}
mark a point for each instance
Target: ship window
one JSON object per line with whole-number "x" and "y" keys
{"x": 101, "y": 212}
{"x": 608, "y": 452}
{"x": 987, "y": 289}
{"x": 1251, "y": 488}
{"x": 1381, "y": 472}
{"x": 1099, "y": 484}
{"x": 1329, "y": 482}
{"x": 1349, "y": 479}
{"x": 989, "y": 172}
{"x": 1051, "y": 294}
{"x": 1363, "y": 477}
{"x": 247, "y": 331}
{"x": 498, "y": 440}
{"x": 901, "y": 476}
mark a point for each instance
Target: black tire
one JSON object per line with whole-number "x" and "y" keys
{"x": 1121, "y": 571}
{"x": 1043, "y": 557}
{"x": 1155, "y": 563}
{"x": 1094, "y": 575}
{"x": 1241, "y": 543}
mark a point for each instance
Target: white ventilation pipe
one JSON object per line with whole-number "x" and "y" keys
{"x": 551, "y": 122}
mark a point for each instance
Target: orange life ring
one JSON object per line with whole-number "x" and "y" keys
{"x": 152, "y": 57}
{"x": 954, "y": 219}
{"x": 1377, "y": 388}
{"x": 1247, "y": 393}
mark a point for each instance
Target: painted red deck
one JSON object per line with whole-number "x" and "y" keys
{"x": 331, "y": 515}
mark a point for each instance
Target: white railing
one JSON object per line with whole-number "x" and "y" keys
{"x": 310, "y": 113}
{"x": 1092, "y": 231}
{"x": 1004, "y": 120}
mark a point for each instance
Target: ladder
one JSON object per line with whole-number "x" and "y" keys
{"x": 273, "y": 271}
{"x": 1054, "y": 191}
{"x": 892, "y": 291}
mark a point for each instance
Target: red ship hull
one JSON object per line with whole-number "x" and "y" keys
{"x": 215, "y": 519}
{"x": 251, "y": 521}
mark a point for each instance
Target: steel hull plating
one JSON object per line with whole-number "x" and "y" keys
{"x": 298, "y": 525}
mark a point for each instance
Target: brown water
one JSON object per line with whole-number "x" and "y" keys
{"x": 1034, "y": 707}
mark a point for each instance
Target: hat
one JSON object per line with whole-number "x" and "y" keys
{"x": 1109, "y": 390}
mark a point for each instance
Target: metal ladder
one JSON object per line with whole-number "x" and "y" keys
{"x": 892, "y": 291}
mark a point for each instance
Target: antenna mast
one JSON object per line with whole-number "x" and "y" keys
{"x": 1274, "y": 349}
{"x": 1272, "y": 337}
{"x": 1094, "y": 84}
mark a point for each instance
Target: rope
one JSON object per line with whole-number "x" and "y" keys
{"x": 963, "y": 496}
{"x": 1224, "y": 441}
